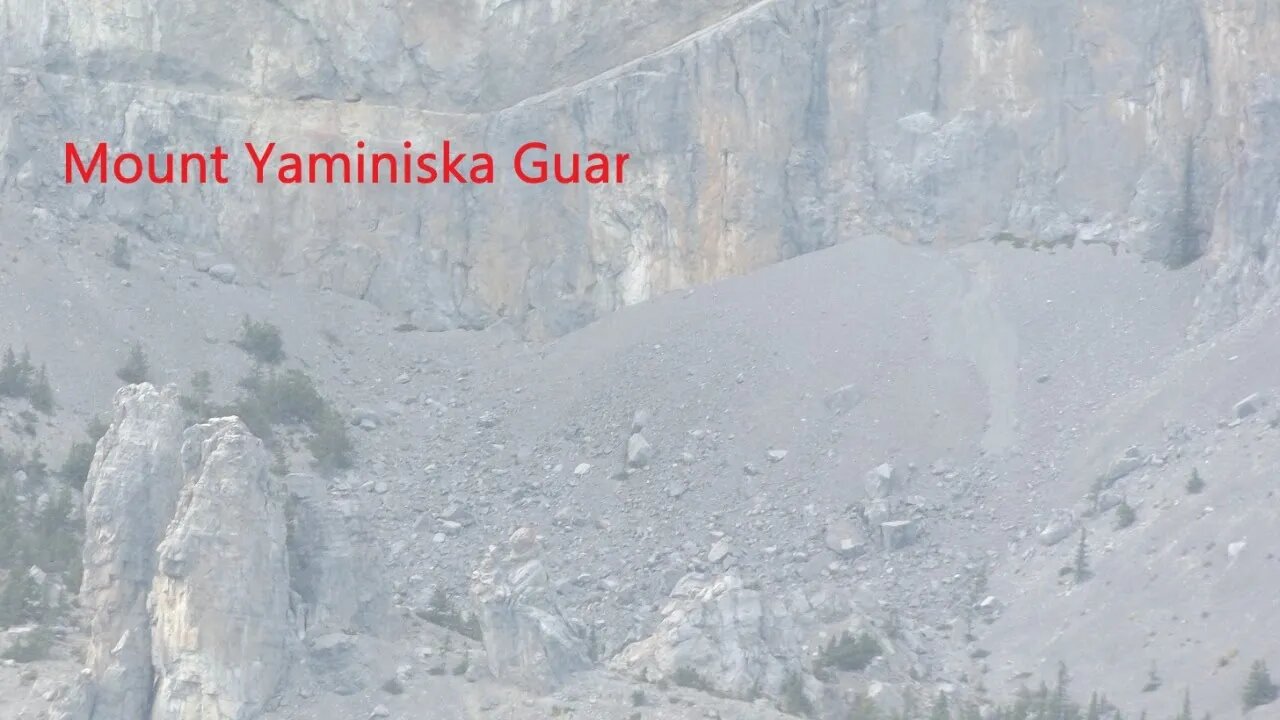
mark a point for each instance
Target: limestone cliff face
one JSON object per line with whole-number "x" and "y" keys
{"x": 758, "y": 130}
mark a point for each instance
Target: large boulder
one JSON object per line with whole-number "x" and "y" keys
{"x": 719, "y": 635}
{"x": 220, "y": 602}
{"x": 527, "y": 638}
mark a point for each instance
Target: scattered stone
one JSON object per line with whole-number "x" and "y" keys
{"x": 456, "y": 513}
{"x": 845, "y": 538}
{"x": 897, "y": 534}
{"x": 223, "y": 273}
{"x": 1249, "y": 405}
{"x": 776, "y": 455}
{"x": 380, "y": 711}
{"x": 582, "y": 469}
{"x": 882, "y": 482}
{"x": 842, "y": 400}
{"x": 1121, "y": 467}
{"x": 203, "y": 261}
{"x": 639, "y": 452}
{"x": 366, "y": 418}
{"x": 719, "y": 551}
{"x": 1061, "y": 525}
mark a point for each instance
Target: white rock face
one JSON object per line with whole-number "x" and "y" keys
{"x": 193, "y": 560}
{"x": 527, "y": 638}
{"x": 740, "y": 642}
{"x": 220, "y": 603}
{"x": 132, "y": 491}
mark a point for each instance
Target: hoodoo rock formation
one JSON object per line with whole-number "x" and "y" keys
{"x": 201, "y": 575}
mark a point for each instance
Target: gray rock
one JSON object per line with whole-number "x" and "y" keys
{"x": 845, "y": 538}
{"x": 223, "y": 273}
{"x": 1119, "y": 468}
{"x": 203, "y": 261}
{"x": 898, "y": 534}
{"x": 882, "y": 482}
{"x": 527, "y": 639}
{"x": 639, "y": 452}
{"x": 1108, "y": 500}
{"x": 1061, "y": 525}
{"x": 1249, "y": 405}
{"x": 457, "y": 513}
{"x": 720, "y": 550}
{"x": 985, "y": 168}
{"x": 331, "y": 573}
{"x": 742, "y": 642}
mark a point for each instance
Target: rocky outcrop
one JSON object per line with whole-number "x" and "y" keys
{"x": 220, "y": 602}
{"x": 201, "y": 573}
{"x": 527, "y": 638}
{"x": 717, "y": 634}
{"x": 133, "y": 488}
{"x": 1141, "y": 125}
{"x": 330, "y": 570}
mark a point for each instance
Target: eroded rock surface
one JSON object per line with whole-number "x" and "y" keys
{"x": 527, "y": 638}
{"x": 719, "y": 634}
{"x": 1144, "y": 126}
{"x": 220, "y": 602}
{"x": 132, "y": 491}
{"x": 202, "y": 572}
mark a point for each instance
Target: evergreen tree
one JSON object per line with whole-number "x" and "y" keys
{"x": 1125, "y": 515}
{"x": 41, "y": 393}
{"x": 1259, "y": 689}
{"x": 136, "y": 369}
{"x": 1186, "y": 714}
{"x": 1095, "y": 711}
{"x": 941, "y": 710}
{"x": 1081, "y": 568}
{"x": 1153, "y": 679}
{"x": 1195, "y": 485}
{"x": 10, "y": 381}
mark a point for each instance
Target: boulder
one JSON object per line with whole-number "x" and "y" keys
{"x": 897, "y": 534}
{"x": 845, "y": 538}
{"x": 721, "y": 636}
{"x": 1060, "y": 525}
{"x": 639, "y": 452}
{"x": 882, "y": 482}
{"x": 528, "y": 640}
{"x": 223, "y": 273}
{"x": 1249, "y": 405}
